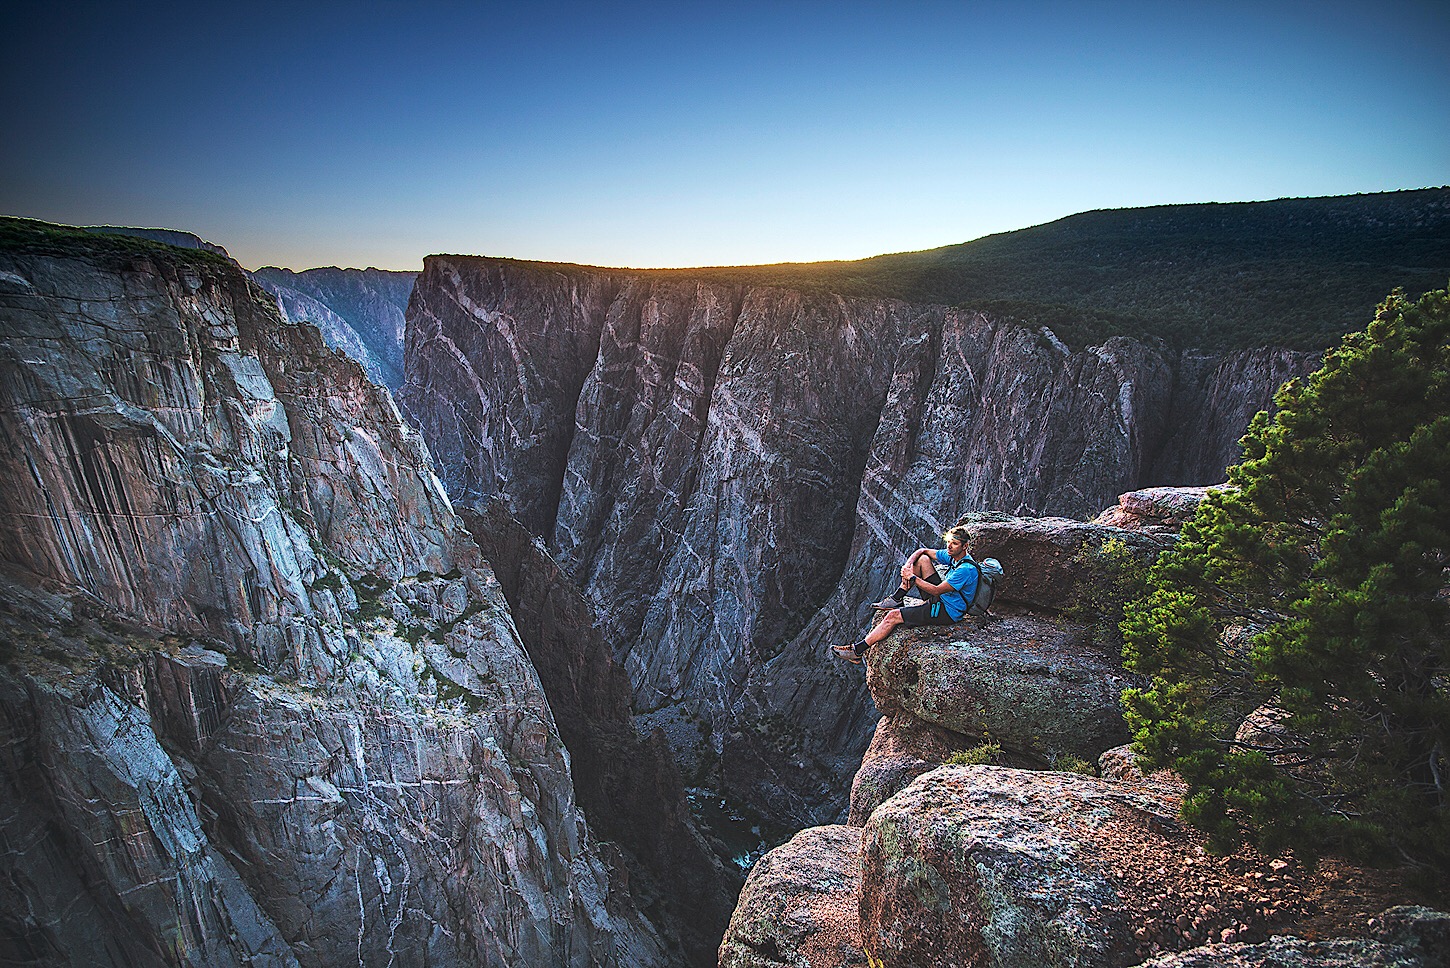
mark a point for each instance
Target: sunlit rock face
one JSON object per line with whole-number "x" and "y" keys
{"x": 730, "y": 473}
{"x": 359, "y": 311}
{"x": 263, "y": 699}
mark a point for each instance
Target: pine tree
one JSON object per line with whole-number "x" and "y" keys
{"x": 1314, "y": 589}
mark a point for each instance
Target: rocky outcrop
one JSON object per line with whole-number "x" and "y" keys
{"x": 1162, "y": 509}
{"x": 966, "y": 859}
{"x": 982, "y": 865}
{"x": 1121, "y": 764}
{"x": 902, "y": 749}
{"x": 1051, "y": 560}
{"x": 1036, "y": 681}
{"x": 730, "y": 472}
{"x": 1034, "y": 685}
{"x": 1402, "y": 937}
{"x": 800, "y": 906}
{"x": 359, "y": 311}
{"x": 264, "y": 700}
{"x": 979, "y": 865}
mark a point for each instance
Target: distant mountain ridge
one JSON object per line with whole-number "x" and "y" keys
{"x": 1292, "y": 273}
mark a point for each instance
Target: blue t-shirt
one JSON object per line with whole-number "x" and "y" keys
{"x": 962, "y": 577}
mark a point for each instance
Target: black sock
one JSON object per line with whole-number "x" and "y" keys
{"x": 900, "y": 594}
{"x": 860, "y": 647}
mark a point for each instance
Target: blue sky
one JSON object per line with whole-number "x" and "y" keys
{"x": 684, "y": 133}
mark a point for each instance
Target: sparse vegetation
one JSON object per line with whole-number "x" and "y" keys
{"x": 1067, "y": 763}
{"x": 1118, "y": 575}
{"x": 983, "y": 755}
{"x": 65, "y": 241}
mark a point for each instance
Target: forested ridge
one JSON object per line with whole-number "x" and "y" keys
{"x": 1295, "y": 273}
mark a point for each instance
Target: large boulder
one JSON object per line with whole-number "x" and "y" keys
{"x": 1121, "y": 764}
{"x": 1161, "y": 509}
{"x": 1047, "y": 559}
{"x": 902, "y": 749}
{"x": 1035, "y": 684}
{"x": 986, "y": 865}
{"x": 799, "y": 906}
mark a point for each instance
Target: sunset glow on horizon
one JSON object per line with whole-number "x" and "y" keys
{"x": 667, "y": 135}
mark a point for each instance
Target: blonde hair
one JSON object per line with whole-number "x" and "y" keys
{"x": 960, "y": 534}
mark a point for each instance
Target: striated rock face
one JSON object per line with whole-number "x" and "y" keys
{"x": 108, "y": 861}
{"x": 359, "y": 311}
{"x": 1217, "y": 396}
{"x": 174, "y": 450}
{"x": 628, "y": 786}
{"x": 263, "y": 700}
{"x": 731, "y": 472}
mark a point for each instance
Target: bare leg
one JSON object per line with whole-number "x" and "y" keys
{"x": 925, "y": 567}
{"x": 888, "y": 622}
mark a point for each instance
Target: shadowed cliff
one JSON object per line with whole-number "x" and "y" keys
{"x": 628, "y": 785}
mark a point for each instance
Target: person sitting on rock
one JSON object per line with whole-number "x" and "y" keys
{"x": 945, "y": 599}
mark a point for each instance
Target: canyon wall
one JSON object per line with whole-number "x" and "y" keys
{"x": 359, "y": 311}
{"x": 627, "y": 784}
{"x": 730, "y": 473}
{"x": 263, "y": 700}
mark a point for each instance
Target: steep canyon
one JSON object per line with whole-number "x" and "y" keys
{"x": 729, "y": 472}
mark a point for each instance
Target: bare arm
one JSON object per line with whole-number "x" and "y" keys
{"x": 908, "y": 570}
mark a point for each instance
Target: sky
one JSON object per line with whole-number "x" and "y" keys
{"x": 689, "y": 133}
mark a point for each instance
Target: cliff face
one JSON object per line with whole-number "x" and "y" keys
{"x": 628, "y": 785}
{"x": 730, "y": 472}
{"x": 263, "y": 699}
{"x": 359, "y": 311}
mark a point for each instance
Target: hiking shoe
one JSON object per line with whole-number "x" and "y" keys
{"x": 886, "y": 604}
{"x": 847, "y": 652}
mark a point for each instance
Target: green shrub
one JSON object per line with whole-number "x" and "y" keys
{"x": 983, "y": 755}
{"x": 1118, "y": 575}
{"x": 1317, "y": 587}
